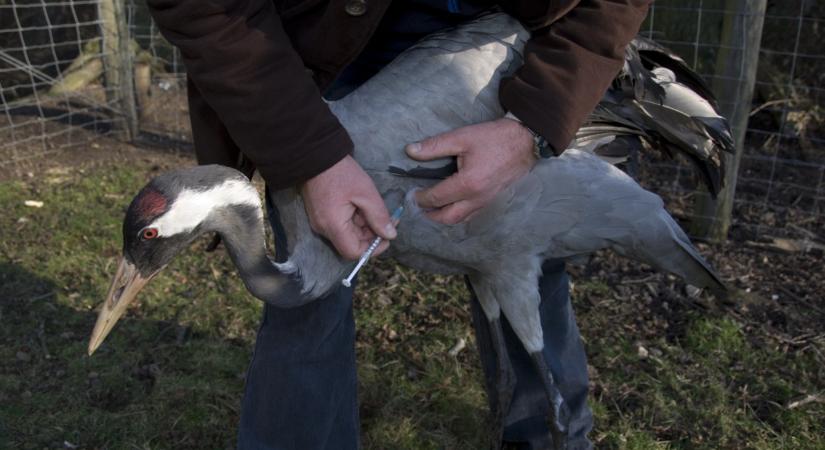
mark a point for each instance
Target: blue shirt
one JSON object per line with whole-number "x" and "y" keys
{"x": 404, "y": 24}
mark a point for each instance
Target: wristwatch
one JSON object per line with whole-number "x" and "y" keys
{"x": 541, "y": 148}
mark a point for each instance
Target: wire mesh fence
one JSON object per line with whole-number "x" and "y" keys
{"x": 782, "y": 173}
{"x": 160, "y": 82}
{"x": 47, "y": 50}
{"x": 779, "y": 188}
{"x": 54, "y": 95}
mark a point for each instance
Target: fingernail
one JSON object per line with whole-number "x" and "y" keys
{"x": 415, "y": 147}
{"x": 389, "y": 230}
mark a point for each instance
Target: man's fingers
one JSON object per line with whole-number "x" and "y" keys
{"x": 439, "y": 146}
{"x": 352, "y": 243}
{"x": 382, "y": 247}
{"x": 375, "y": 215}
{"x": 454, "y": 213}
{"x": 344, "y": 206}
{"x": 347, "y": 241}
{"x": 455, "y": 188}
{"x": 365, "y": 234}
{"x": 358, "y": 220}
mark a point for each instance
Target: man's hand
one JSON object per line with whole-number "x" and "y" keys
{"x": 491, "y": 155}
{"x": 344, "y": 206}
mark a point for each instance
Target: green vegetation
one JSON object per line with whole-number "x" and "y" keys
{"x": 171, "y": 374}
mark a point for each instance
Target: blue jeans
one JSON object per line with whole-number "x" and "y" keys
{"x": 301, "y": 387}
{"x": 563, "y": 349}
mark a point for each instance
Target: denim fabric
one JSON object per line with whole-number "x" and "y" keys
{"x": 563, "y": 349}
{"x": 301, "y": 387}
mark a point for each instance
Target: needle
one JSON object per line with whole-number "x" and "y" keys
{"x": 396, "y": 215}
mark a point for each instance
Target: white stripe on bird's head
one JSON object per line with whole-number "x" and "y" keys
{"x": 191, "y": 207}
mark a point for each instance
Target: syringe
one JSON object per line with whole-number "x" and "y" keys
{"x": 396, "y": 215}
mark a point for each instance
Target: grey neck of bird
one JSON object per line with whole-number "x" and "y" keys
{"x": 241, "y": 228}
{"x": 319, "y": 265}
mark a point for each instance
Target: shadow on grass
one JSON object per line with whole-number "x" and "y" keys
{"x": 157, "y": 384}
{"x": 152, "y": 383}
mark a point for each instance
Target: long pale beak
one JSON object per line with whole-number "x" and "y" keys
{"x": 125, "y": 286}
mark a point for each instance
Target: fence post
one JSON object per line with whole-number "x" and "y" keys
{"x": 118, "y": 70}
{"x": 733, "y": 83}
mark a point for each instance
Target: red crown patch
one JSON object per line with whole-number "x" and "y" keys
{"x": 150, "y": 204}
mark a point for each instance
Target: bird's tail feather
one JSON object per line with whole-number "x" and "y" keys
{"x": 667, "y": 247}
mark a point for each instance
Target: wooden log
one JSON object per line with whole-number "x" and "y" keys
{"x": 78, "y": 78}
{"x": 143, "y": 86}
{"x": 735, "y": 77}
{"x": 91, "y": 50}
{"x": 118, "y": 70}
{"x": 84, "y": 70}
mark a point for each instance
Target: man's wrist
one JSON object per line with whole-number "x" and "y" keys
{"x": 541, "y": 148}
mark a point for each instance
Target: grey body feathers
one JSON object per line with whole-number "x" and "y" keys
{"x": 565, "y": 207}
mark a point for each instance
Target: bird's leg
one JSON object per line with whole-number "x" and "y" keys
{"x": 505, "y": 378}
{"x": 518, "y": 296}
{"x": 504, "y": 382}
{"x": 557, "y": 429}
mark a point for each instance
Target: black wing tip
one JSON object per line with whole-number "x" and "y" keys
{"x": 434, "y": 173}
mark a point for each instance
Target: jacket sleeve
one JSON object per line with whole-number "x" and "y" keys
{"x": 575, "y": 51}
{"x": 243, "y": 65}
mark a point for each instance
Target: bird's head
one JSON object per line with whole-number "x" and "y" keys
{"x": 162, "y": 220}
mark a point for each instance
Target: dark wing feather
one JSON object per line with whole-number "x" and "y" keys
{"x": 674, "y": 112}
{"x": 654, "y": 54}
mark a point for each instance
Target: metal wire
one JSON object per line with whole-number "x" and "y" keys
{"x": 164, "y": 112}
{"x": 39, "y": 40}
{"x": 780, "y": 181}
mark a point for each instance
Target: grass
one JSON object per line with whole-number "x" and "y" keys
{"x": 171, "y": 374}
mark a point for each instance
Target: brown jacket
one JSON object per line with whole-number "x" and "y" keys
{"x": 256, "y": 69}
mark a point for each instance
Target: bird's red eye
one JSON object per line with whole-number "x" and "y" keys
{"x": 150, "y": 233}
